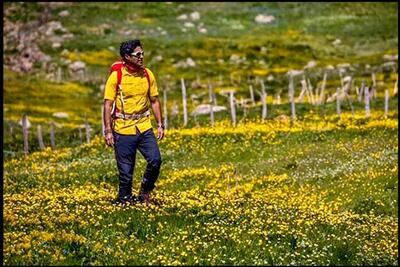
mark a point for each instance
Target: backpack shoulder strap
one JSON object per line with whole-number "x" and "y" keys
{"x": 117, "y": 66}
{"x": 147, "y": 76}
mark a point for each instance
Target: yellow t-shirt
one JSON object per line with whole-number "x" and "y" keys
{"x": 135, "y": 91}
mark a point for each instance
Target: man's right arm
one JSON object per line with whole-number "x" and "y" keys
{"x": 108, "y": 135}
{"x": 109, "y": 97}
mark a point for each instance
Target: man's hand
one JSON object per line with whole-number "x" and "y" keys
{"x": 108, "y": 136}
{"x": 155, "y": 105}
{"x": 160, "y": 132}
{"x": 109, "y": 139}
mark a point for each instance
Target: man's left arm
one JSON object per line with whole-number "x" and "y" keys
{"x": 156, "y": 106}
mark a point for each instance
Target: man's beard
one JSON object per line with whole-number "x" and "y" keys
{"x": 133, "y": 67}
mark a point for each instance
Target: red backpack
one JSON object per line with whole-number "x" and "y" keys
{"x": 117, "y": 66}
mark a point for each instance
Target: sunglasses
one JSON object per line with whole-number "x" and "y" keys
{"x": 138, "y": 54}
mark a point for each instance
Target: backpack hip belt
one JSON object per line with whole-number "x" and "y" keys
{"x": 132, "y": 116}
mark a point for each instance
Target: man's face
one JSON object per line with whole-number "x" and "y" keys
{"x": 136, "y": 58}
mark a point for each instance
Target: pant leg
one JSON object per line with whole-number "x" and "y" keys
{"x": 148, "y": 147}
{"x": 125, "y": 154}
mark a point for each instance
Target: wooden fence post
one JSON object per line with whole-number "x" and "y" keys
{"x": 303, "y": 91}
{"x": 253, "y": 101}
{"x": 372, "y": 93}
{"x": 346, "y": 90}
{"x": 338, "y": 111}
{"x": 386, "y": 102}
{"x": 195, "y": 119}
{"x": 264, "y": 106}
{"x": 211, "y": 98}
{"x": 185, "y": 116}
{"x": 233, "y": 109}
{"x": 316, "y": 96}
{"x": 278, "y": 99}
{"x": 25, "y": 133}
{"x": 235, "y": 175}
{"x": 291, "y": 97}
{"x": 348, "y": 97}
{"x": 80, "y": 134}
{"x": 215, "y": 99}
{"x": 40, "y": 138}
{"x": 367, "y": 108}
{"x": 87, "y": 128}
{"x": 310, "y": 89}
{"x": 52, "y": 136}
{"x": 243, "y": 105}
{"x": 362, "y": 91}
{"x": 263, "y": 101}
{"x": 59, "y": 75}
{"x": 322, "y": 96}
{"x": 11, "y": 129}
{"x": 307, "y": 91}
{"x": 341, "y": 77}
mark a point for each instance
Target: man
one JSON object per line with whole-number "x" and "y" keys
{"x": 132, "y": 89}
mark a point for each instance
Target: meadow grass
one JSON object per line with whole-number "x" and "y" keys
{"x": 300, "y": 33}
{"x": 77, "y": 105}
{"x": 316, "y": 191}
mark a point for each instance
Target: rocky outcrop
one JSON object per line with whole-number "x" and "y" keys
{"x": 206, "y": 109}
{"x": 21, "y": 40}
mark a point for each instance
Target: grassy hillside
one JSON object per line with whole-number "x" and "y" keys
{"x": 222, "y": 39}
{"x": 310, "y": 193}
{"x": 317, "y": 190}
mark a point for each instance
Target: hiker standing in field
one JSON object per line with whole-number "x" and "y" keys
{"x": 130, "y": 90}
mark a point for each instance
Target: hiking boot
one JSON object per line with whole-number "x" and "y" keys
{"x": 124, "y": 201}
{"x": 144, "y": 197}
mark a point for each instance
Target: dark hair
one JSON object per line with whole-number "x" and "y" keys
{"x": 128, "y": 47}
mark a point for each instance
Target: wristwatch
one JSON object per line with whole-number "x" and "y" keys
{"x": 107, "y": 131}
{"x": 161, "y": 126}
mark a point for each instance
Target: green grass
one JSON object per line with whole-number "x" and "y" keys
{"x": 315, "y": 193}
{"x": 365, "y": 29}
{"x": 300, "y": 33}
{"x": 40, "y": 111}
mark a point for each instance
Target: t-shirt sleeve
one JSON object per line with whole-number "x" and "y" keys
{"x": 153, "y": 83}
{"x": 110, "y": 91}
